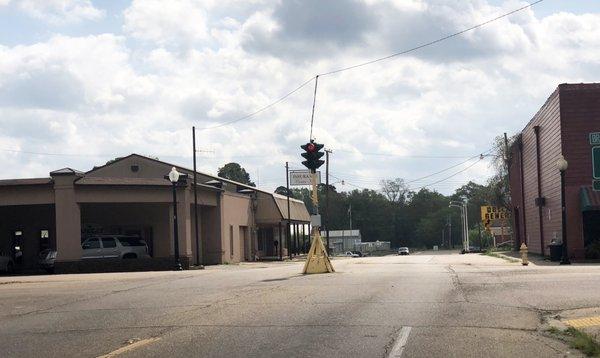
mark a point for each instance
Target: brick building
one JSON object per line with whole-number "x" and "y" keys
{"x": 561, "y": 126}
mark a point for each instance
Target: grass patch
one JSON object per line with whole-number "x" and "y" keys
{"x": 504, "y": 257}
{"x": 584, "y": 342}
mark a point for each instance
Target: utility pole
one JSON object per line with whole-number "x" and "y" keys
{"x": 327, "y": 151}
{"x": 287, "y": 233}
{"x": 466, "y": 225}
{"x": 197, "y": 235}
{"x": 450, "y": 231}
{"x": 350, "y": 214}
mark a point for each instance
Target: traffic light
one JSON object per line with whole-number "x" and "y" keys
{"x": 312, "y": 154}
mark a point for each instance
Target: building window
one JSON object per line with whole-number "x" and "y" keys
{"x": 231, "y": 240}
{"x": 44, "y": 240}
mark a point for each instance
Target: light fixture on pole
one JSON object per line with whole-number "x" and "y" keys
{"x": 175, "y": 178}
{"x": 562, "y": 165}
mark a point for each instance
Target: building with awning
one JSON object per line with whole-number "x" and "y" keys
{"x": 130, "y": 196}
{"x": 567, "y": 124}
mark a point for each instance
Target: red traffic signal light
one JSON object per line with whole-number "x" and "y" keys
{"x": 312, "y": 155}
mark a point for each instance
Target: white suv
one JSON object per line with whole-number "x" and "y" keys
{"x": 114, "y": 246}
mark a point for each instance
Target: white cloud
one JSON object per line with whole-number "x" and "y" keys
{"x": 60, "y": 11}
{"x": 178, "y": 21}
{"x": 115, "y": 94}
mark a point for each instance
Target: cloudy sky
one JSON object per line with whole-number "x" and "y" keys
{"x": 84, "y": 81}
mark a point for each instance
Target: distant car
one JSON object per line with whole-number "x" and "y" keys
{"x": 6, "y": 263}
{"x": 351, "y": 254}
{"x": 474, "y": 249}
{"x": 403, "y": 251}
{"x": 360, "y": 254}
{"x": 114, "y": 246}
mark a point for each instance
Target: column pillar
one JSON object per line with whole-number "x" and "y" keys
{"x": 68, "y": 218}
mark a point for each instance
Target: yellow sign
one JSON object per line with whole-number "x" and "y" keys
{"x": 493, "y": 213}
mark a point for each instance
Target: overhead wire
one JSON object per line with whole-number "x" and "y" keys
{"x": 432, "y": 42}
{"x": 427, "y": 44}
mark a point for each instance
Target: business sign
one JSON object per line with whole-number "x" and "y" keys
{"x": 595, "y": 138}
{"x": 303, "y": 177}
{"x": 493, "y": 213}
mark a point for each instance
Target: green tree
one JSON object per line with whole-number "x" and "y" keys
{"x": 235, "y": 172}
{"x": 282, "y": 190}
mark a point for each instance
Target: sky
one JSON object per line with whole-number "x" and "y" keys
{"x": 85, "y": 81}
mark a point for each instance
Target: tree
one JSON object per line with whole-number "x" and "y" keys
{"x": 395, "y": 190}
{"x": 282, "y": 190}
{"x": 235, "y": 172}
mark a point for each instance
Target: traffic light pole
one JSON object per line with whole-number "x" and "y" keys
{"x": 327, "y": 151}
{"x": 287, "y": 233}
{"x": 317, "y": 260}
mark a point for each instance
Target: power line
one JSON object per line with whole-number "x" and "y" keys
{"x": 416, "y": 156}
{"x": 281, "y": 99}
{"x": 432, "y": 42}
{"x": 442, "y": 180}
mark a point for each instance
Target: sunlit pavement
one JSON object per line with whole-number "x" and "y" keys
{"x": 425, "y": 305}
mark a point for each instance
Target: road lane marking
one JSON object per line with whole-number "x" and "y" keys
{"x": 584, "y": 322}
{"x": 130, "y": 347}
{"x": 398, "y": 348}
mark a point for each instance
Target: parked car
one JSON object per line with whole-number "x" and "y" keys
{"x": 46, "y": 260}
{"x": 114, "y": 246}
{"x": 6, "y": 263}
{"x": 351, "y": 254}
{"x": 360, "y": 254}
{"x": 403, "y": 251}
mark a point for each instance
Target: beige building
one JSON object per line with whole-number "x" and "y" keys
{"x": 236, "y": 222}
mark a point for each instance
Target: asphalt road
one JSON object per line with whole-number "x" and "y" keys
{"x": 425, "y": 305}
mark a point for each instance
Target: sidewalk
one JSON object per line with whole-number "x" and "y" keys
{"x": 580, "y": 327}
{"x": 534, "y": 259}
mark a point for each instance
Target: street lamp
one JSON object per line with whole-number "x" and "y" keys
{"x": 461, "y": 206}
{"x": 562, "y": 165}
{"x": 174, "y": 177}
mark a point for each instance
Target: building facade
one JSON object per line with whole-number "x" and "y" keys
{"x": 341, "y": 241}
{"x": 130, "y": 196}
{"x": 562, "y": 126}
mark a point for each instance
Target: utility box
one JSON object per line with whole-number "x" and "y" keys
{"x": 555, "y": 252}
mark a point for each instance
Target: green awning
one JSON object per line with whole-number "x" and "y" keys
{"x": 590, "y": 199}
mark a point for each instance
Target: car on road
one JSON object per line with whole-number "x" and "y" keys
{"x": 351, "y": 254}
{"x": 6, "y": 263}
{"x": 403, "y": 251}
{"x": 359, "y": 253}
{"x": 114, "y": 246}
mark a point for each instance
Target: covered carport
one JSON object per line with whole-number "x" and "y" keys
{"x": 27, "y": 220}
{"x": 272, "y": 222}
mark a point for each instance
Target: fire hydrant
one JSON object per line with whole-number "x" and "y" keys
{"x": 523, "y": 251}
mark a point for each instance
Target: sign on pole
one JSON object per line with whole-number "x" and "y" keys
{"x": 595, "y": 138}
{"x": 303, "y": 177}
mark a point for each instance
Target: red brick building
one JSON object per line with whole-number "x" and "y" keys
{"x": 561, "y": 126}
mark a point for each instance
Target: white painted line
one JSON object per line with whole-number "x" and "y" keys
{"x": 398, "y": 348}
{"x": 129, "y": 347}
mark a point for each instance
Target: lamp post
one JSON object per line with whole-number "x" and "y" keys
{"x": 461, "y": 206}
{"x": 174, "y": 179}
{"x": 562, "y": 166}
